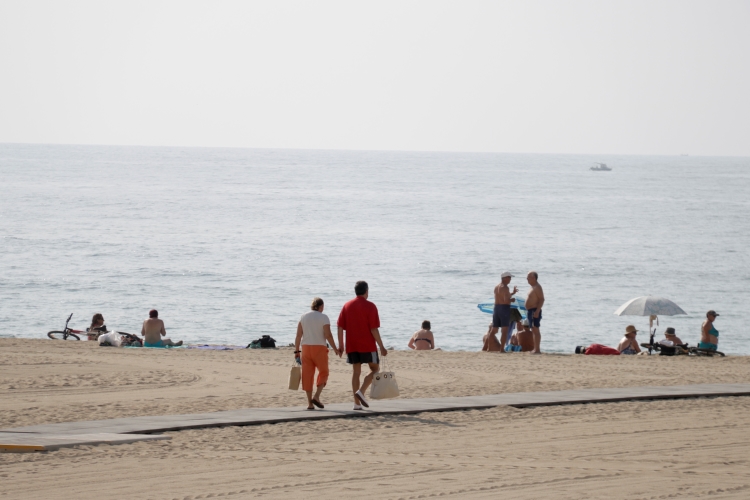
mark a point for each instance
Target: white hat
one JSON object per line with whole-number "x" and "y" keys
{"x": 525, "y": 322}
{"x": 506, "y": 274}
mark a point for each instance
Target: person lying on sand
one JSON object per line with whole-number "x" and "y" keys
{"x": 152, "y": 331}
{"x": 422, "y": 340}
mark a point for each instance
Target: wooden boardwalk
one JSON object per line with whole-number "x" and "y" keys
{"x": 121, "y": 430}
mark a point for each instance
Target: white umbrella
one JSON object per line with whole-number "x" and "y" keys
{"x": 651, "y": 307}
{"x": 648, "y": 305}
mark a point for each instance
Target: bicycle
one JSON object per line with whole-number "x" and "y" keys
{"x": 677, "y": 350}
{"x": 65, "y": 332}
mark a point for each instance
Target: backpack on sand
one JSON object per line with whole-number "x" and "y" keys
{"x": 265, "y": 342}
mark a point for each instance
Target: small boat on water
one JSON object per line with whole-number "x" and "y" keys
{"x": 600, "y": 167}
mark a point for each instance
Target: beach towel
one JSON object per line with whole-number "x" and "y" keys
{"x": 507, "y": 346}
{"x": 216, "y": 347}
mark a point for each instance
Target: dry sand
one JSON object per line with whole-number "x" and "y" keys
{"x": 660, "y": 449}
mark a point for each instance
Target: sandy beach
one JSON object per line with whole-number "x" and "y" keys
{"x": 654, "y": 449}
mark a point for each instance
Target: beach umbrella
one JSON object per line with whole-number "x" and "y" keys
{"x": 649, "y": 306}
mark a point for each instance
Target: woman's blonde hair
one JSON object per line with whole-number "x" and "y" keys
{"x": 316, "y": 303}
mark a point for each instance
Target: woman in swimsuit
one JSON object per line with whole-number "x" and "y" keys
{"x": 628, "y": 345}
{"x": 422, "y": 340}
{"x": 709, "y": 334}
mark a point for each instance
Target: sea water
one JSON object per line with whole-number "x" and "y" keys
{"x": 232, "y": 244}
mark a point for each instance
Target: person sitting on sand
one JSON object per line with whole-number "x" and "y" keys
{"x": 525, "y": 336}
{"x": 490, "y": 343}
{"x": 313, "y": 330}
{"x": 513, "y": 344}
{"x": 671, "y": 336}
{"x": 709, "y": 334}
{"x": 422, "y": 340}
{"x": 152, "y": 331}
{"x": 628, "y": 345}
{"x": 97, "y": 327}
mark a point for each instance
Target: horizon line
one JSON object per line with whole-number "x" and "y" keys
{"x": 365, "y": 150}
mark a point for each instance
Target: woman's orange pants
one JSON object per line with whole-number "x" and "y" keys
{"x": 314, "y": 356}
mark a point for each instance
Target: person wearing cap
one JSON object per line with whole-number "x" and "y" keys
{"x": 671, "y": 336}
{"x": 500, "y": 315}
{"x": 628, "y": 345}
{"x": 709, "y": 334}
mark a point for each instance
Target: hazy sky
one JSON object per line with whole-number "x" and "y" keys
{"x": 634, "y": 77}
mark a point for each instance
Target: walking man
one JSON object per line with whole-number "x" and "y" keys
{"x": 534, "y": 303}
{"x": 500, "y": 315}
{"x": 359, "y": 317}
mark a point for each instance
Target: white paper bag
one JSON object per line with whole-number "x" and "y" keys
{"x": 384, "y": 385}
{"x": 295, "y": 376}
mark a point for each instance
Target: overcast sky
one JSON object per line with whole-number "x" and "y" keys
{"x": 632, "y": 77}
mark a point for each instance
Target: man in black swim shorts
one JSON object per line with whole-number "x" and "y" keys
{"x": 500, "y": 315}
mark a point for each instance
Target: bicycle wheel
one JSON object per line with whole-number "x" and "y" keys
{"x": 708, "y": 352}
{"x": 58, "y": 335}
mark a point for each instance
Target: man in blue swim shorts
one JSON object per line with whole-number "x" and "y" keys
{"x": 534, "y": 303}
{"x": 500, "y": 315}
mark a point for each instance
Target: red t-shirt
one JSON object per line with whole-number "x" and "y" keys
{"x": 358, "y": 317}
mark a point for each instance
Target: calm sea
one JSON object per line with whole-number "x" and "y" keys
{"x": 231, "y": 244}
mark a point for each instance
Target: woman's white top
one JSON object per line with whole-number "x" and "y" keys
{"x": 312, "y": 328}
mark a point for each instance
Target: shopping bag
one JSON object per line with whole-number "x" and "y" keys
{"x": 384, "y": 384}
{"x": 295, "y": 376}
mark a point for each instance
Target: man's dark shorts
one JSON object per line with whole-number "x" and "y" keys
{"x": 362, "y": 357}
{"x": 534, "y": 322}
{"x": 501, "y": 315}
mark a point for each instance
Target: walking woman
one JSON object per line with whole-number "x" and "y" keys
{"x": 313, "y": 330}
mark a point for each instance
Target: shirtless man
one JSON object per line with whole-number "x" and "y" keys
{"x": 500, "y": 315}
{"x": 671, "y": 335}
{"x": 534, "y": 303}
{"x": 153, "y": 330}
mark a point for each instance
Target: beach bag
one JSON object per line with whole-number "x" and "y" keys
{"x": 265, "y": 342}
{"x": 667, "y": 350}
{"x": 295, "y": 376}
{"x": 384, "y": 384}
{"x": 110, "y": 339}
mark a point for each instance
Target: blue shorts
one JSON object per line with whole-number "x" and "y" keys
{"x": 710, "y": 346}
{"x": 501, "y": 315}
{"x": 533, "y": 322}
{"x": 155, "y": 344}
